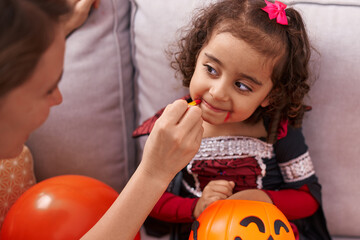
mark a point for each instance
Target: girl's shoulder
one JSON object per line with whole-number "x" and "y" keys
{"x": 290, "y": 141}
{"x": 291, "y": 146}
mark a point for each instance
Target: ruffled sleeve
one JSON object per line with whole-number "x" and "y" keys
{"x": 146, "y": 127}
{"x": 295, "y": 163}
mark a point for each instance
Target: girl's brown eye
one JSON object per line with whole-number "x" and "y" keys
{"x": 242, "y": 87}
{"x": 210, "y": 69}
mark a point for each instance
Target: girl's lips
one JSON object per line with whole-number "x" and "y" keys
{"x": 212, "y": 107}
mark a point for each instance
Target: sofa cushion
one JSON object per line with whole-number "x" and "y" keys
{"x": 331, "y": 128}
{"x": 90, "y": 132}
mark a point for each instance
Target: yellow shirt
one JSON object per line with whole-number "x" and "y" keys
{"x": 16, "y": 176}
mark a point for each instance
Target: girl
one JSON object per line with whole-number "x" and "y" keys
{"x": 246, "y": 61}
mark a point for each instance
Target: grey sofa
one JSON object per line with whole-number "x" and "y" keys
{"x": 117, "y": 74}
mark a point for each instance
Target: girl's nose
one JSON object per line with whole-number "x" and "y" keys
{"x": 219, "y": 90}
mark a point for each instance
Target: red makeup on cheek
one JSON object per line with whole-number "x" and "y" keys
{"x": 227, "y": 117}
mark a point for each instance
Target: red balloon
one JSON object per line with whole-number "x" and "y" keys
{"x": 63, "y": 207}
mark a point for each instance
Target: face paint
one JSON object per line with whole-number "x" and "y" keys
{"x": 227, "y": 117}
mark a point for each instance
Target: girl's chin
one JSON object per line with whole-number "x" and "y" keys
{"x": 213, "y": 121}
{"x": 212, "y": 117}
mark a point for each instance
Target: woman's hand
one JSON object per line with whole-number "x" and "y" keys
{"x": 213, "y": 191}
{"x": 80, "y": 13}
{"x": 252, "y": 194}
{"x": 173, "y": 141}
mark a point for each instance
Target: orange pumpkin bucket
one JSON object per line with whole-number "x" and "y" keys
{"x": 241, "y": 220}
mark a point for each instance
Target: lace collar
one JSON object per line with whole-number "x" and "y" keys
{"x": 226, "y": 147}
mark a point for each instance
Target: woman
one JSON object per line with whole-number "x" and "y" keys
{"x": 32, "y": 49}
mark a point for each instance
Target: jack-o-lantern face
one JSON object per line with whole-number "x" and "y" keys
{"x": 241, "y": 220}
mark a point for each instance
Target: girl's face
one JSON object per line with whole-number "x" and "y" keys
{"x": 231, "y": 79}
{"x": 26, "y": 107}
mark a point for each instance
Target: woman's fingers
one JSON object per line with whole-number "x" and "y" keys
{"x": 184, "y": 122}
{"x": 86, "y": 4}
{"x": 80, "y": 13}
{"x": 174, "y": 111}
{"x": 172, "y": 145}
{"x": 190, "y": 118}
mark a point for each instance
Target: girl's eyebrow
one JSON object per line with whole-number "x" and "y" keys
{"x": 214, "y": 59}
{"x": 253, "y": 79}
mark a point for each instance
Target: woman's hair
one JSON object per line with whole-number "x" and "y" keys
{"x": 288, "y": 45}
{"x": 27, "y": 29}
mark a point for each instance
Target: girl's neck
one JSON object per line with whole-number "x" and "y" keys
{"x": 256, "y": 130}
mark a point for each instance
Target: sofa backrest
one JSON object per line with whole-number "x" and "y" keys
{"x": 332, "y": 127}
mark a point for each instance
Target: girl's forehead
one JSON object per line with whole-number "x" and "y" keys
{"x": 266, "y": 57}
{"x": 237, "y": 56}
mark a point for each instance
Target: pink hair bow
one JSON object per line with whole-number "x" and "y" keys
{"x": 276, "y": 10}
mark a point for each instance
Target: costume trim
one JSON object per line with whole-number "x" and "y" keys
{"x": 229, "y": 147}
{"x": 232, "y": 146}
{"x": 195, "y": 191}
{"x": 263, "y": 171}
{"x": 297, "y": 169}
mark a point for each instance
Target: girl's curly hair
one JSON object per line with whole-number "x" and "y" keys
{"x": 287, "y": 45}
